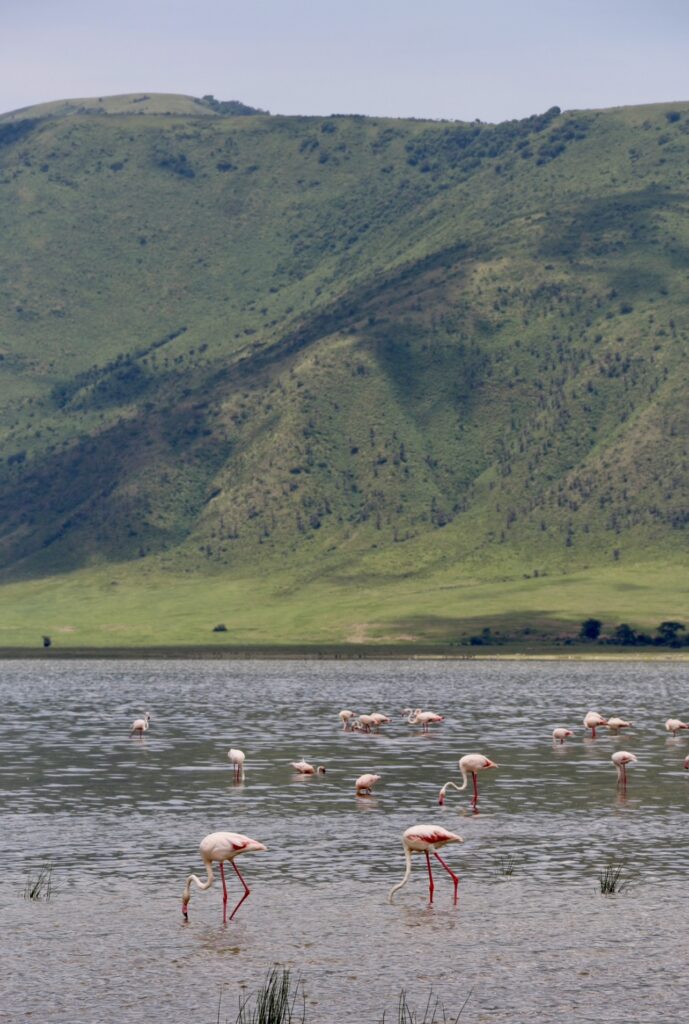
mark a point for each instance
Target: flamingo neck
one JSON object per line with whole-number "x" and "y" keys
{"x": 201, "y": 885}
{"x": 441, "y": 798}
{"x": 407, "y": 854}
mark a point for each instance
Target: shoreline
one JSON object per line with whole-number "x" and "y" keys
{"x": 336, "y": 652}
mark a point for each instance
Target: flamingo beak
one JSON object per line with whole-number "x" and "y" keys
{"x": 441, "y": 798}
{"x": 185, "y": 913}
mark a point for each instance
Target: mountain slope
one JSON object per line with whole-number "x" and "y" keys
{"x": 350, "y": 347}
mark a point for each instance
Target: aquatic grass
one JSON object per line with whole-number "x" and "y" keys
{"x": 506, "y": 864}
{"x": 40, "y": 886}
{"x": 275, "y": 1002}
{"x": 434, "y": 1012}
{"x": 609, "y": 879}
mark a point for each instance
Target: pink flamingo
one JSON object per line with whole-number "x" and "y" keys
{"x": 345, "y": 717}
{"x": 594, "y": 721}
{"x": 378, "y": 719}
{"x": 237, "y": 758}
{"x": 219, "y": 847}
{"x": 560, "y": 734}
{"x": 426, "y": 839}
{"x": 365, "y": 783}
{"x": 686, "y": 763}
{"x": 304, "y": 768}
{"x": 140, "y": 725}
{"x": 673, "y": 725}
{"x": 423, "y": 718}
{"x": 615, "y": 724}
{"x": 470, "y": 764}
{"x": 621, "y": 758}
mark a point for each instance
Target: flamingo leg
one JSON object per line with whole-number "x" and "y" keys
{"x": 431, "y": 886}
{"x": 455, "y": 878}
{"x": 224, "y": 894}
{"x": 247, "y": 890}
{"x": 475, "y": 781}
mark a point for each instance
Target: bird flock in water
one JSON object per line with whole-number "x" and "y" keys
{"x": 220, "y": 847}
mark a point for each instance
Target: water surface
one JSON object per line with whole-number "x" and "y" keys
{"x": 120, "y": 819}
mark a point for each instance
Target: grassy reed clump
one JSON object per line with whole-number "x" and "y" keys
{"x": 506, "y": 865}
{"x": 434, "y": 1012}
{"x": 609, "y": 879}
{"x": 275, "y": 1002}
{"x": 40, "y": 886}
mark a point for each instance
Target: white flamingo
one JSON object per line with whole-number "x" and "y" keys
{"x": 217, "y": 848}
{"x": 470, "y": 764}
{"x": 365, "y": 783}
{"x": 561, "y": 734}
{"x": 140, "y": 725}
{"x": 237, "y": 758}
{"x": 345, "y": 717}
{"x": 426, "y": 839}
{"x": 593, "y": 721}
{"x": 674, "y": 725}
{"x": 304, "y": 768}
{"x": 423, "y": 718}
{"x": 616, "y": 724}
{"x": 621, "y": 758}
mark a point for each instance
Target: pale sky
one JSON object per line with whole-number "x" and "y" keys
{"x": 491, "y": 59}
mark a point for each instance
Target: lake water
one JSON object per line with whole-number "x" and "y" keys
{"x": 121, "y": 818}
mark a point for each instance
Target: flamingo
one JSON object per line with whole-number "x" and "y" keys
{"x": 673, "y": 725}
{"x": 594, "y": 721}
{"x": 304, "y": 768}
{"x": 621, "y": 758}
{"x": 140, "y": 725}
{"x": 219, "y": 847}
{"x": 345, "y": 716}
{"x": 237, "y": 758}
{"x": 365, "y": 783}
{"x": 470, "y": 764}
{"x": 424, "y": 718}
{"x": 560, "y": 734}
{"x": 615, "y": 724}
{"x": 426, "y": 839}
{"x": 686, "y": 763}
{"x": 378, "y": 719}
{"x": 363, "y": 723}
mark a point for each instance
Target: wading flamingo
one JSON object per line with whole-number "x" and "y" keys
{"x": 345, "y": 717}
{"x": 686, "y": 763}
{"x": 560, "y": 734}
{"x": 365, "y": 783}
{"x": 363, "y": 723}
{"x": 615, "y": 724}
{"x": 594, "y": 721}
{"x": 423, "y": 718}
{"x": 378, "y": 719}
{"x": 140, "y": 725}
{"x": 237, "y": 758}
{"x": 219, "y": 847}
{"x": 673, "y": 725}
{"x": 621, "y": 759}
{"x": 304, "y": 768}
{"x": 470, "y": 764}
{"x": 426, "y": 839}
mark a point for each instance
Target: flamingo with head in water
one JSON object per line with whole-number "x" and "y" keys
{"x": 621, "y": 758}
{"x": 593, "y": 721}
{"x": 217, "y": 848}
{"x": 140, "y": 725}
{"x": 345, "y": 717}
{"x": 365, "y": 783}
{"x": 304, "y": 768}
{"x": 237, "y": 758}
{"x": 427, "y": 839}
{"x": 470, "y": 764}
{"x": 674, "y": 725}
{"x": 616, "y": 724}
{"x": 561, "y": 734}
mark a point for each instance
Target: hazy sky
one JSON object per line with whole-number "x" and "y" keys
{"x": 491, "y": 59}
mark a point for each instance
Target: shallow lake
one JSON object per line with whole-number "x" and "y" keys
{"x": 120, "y": 819}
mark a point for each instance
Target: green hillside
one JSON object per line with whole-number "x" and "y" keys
{"x": 342, "y": 377}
